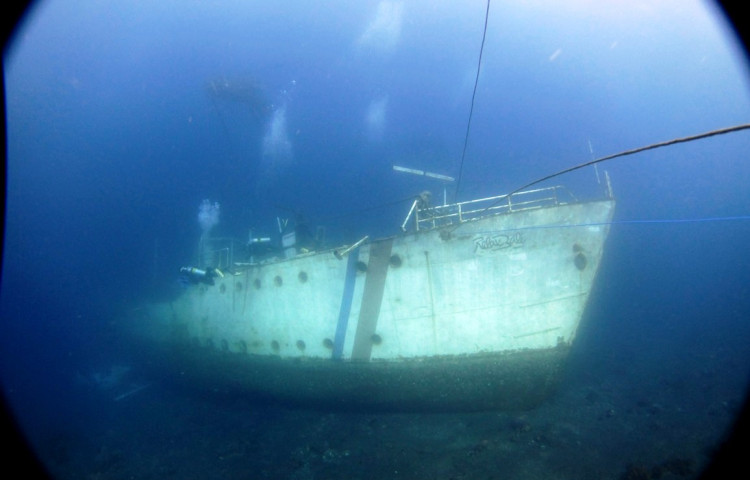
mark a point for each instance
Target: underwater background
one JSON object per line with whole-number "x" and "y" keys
{"x": 122, "y": 118}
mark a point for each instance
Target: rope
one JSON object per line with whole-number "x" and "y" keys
{"x": 473, "y": 96}
{"x": 720, "y": 131}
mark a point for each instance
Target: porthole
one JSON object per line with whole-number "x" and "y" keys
{"x": 277, "y": 281}
{"x": 301, "y": 345}
{"x": 376, "y": 339}
{"x": 361, "y": 266}
{"x": 580, "y": 261}
{"x": 275, "y": 346}
{"x": 238, "y": 286}
{"x": 328, "y": 343}
{"x": 302, "y": 277}
{"x": 395, "y": 260}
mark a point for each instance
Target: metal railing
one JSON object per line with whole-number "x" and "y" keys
{"x": 442, "y": 215}
{"x": 217, "y": 252}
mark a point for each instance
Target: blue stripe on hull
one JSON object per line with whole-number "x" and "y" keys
{"x": 346, "y": 304}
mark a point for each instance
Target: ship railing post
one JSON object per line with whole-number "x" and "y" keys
{"x": 219, "y": 256}
{"x": 408, "y": 216}
{"x": 230, "y": 260}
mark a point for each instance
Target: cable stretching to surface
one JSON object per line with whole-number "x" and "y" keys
{"x": 473, "y": 96}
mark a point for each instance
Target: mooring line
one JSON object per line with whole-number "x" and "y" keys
{"x": 473, "y": 97}
{"x": 719, "y": 131}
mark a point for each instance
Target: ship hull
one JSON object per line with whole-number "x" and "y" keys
{"x": 511, "y": 381}
{"x": 470, "y": 317}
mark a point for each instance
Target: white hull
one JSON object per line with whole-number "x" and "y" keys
{"x": 487, "y": 297}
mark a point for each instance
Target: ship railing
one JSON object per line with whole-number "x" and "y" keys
{"x": 438, "y": 216}
{"x": 218, "y": 252}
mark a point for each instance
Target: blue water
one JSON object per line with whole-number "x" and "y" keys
{"x": 123, "y": 118}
